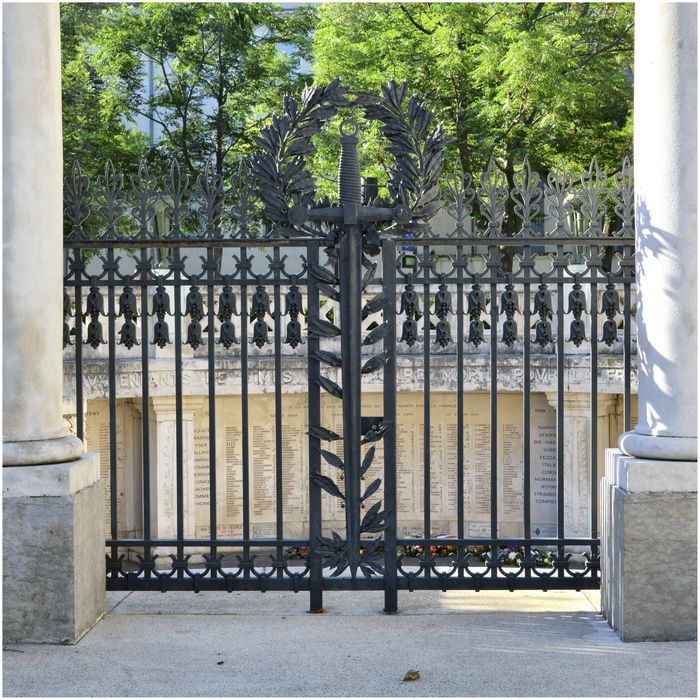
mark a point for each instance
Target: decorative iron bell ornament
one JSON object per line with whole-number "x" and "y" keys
{"x": 442, "y": 308}
{"x": 194, "y": 304}
{"x": 409, "y": 301}
{"x": 509, "y": 306}
{"x": 161, "y": 299}
{"x": 127, "y": 304}
{"x": 543, "y": 301}
{"x": 227, "y": 300}
{"x": 577, "y": 306}
{"x": 609, "y": 332}
{"x": 476, "y": 301}
{"x": 127, "y": 335}
{"x": 611, "y": 301}
{"x": 293, "y": 333}
{"x": 293, "y": 302}
{"x": 161, "y": 334}
{"x": 95, "y": 309}
{"x": 194, "y": 334}
{"x": 409, "y": 332}
{"x": 610, "y": 307}
{"x": 577, "y": 332}
{"x": 443, "y": 335}
{"x": 543, "y": 332}
{"x": 66, "y": 315}
{"x": 94, "y": 334}
{"x": 95, "y": 301}
{"x": 510, "y": 332}
{"x": 227, "y": 335}
{"x": 476, "y": 332}
{"x": 161, "y": 307}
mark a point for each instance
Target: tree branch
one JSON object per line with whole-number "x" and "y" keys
{"x": 603, "y": 49}
{"x": 418, "y": 26}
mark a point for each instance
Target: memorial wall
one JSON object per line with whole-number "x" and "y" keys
{"x": 412, "y": 460}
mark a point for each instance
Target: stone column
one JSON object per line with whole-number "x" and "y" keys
{"x": 53, "y": 551}
{"x": 649, "y": 494}
{"x": 665, "y": 180}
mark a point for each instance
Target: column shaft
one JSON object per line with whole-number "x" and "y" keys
{"x": 665, "y": 159}
{"x": 32, "y": 238}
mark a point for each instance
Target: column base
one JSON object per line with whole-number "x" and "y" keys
{"x": 53, "y": 551}
{"x": 659, "y": 447}
{"x": 649, "y": 548}
{"x": 53, "y": 451}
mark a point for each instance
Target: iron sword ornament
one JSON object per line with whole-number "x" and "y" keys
{"x": 352, "y": 231}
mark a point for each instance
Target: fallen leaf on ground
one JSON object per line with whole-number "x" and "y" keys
{"x": 411, "y": 675}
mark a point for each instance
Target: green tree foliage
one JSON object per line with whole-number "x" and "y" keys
{"x": 93, "y": 129}
{"x": 548, "y": 80}
{"x": 218, "y": 72}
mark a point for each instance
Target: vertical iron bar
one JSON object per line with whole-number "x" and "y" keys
{"x": 426, "y": 404}
{"x": 179, "y": 475}
{"x": 279, "y": 494}
{"x": 80, "y": 428}
{"x": 560, "y": 407}
{"x": 527, "y": 525}
{"x": 315, "y": 514}
{"x": 245, "y": 432}
{"x": 390, "y": 558}
{"x": 351, "y": 325}
{"x": 594, "y": 391}
{"x": 460, "y": 402}
{"x": 145, "y": 424}
{"x": 111, "y": 313}
{"x": 628, "y": 254}
{"x": 211, "y": 370}
{"x": 494, "y": 264}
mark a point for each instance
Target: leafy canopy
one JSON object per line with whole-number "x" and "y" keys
{"x": 216, "y": 70}
{"x": 547, "y": 80}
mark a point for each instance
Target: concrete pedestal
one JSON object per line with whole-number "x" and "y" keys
{"x": 649, "y": 548}
{"x": 53, "y": 551}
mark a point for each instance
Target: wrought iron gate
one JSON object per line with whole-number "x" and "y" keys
{"x": 383, "y": 272}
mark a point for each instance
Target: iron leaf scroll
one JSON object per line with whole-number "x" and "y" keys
{"x": 280, "y": 166}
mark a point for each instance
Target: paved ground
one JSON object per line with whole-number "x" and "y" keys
{"x": 253, "y": 644}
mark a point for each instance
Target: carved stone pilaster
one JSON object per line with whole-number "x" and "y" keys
{"x": 577, "y": 455}
{"x": 163, "y": 466}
